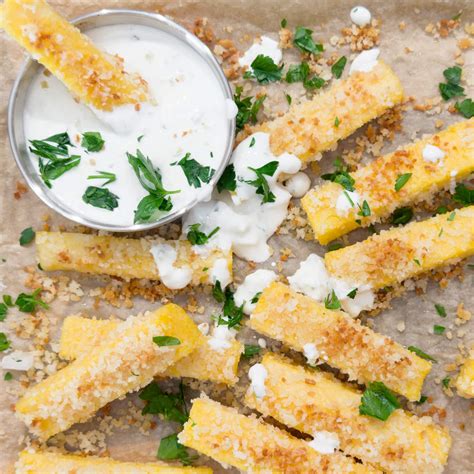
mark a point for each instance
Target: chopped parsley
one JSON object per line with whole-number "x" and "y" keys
{"x": 4, "y": 342}
{"x": 364, "y": 210}
{"x": 162, "y": 341}
{"x": 252, "y": 142}
{"x": 422, "y": 400}
{"x": 195, "y": 173}
{"x": 337, "y": 122}
{"x": 335, "y": 246}
{"x": 421, "y": 354}
{"x": 451, "y": 87}
{"x": 29, "y": 303}
{"x": 402, "y": 215}
{"x": 338, "y": 67}
{"x": 54, "y": 158}
{"x": 283, "y": 23}
{"x": 217, "y": 292}
{"x": 464, "y": 195}
{"x": 417, "y": 262}
{"x": 27, "y": 236}
{"x": 440, "y": 309}
{"x": 100, "y": 197}
{"x": 8, "y": 376}
{"x": 246, "y": 109}
{"x": 7, "y": 299}
{"x": 332, "y": 301}
{"x": 170, "y": 448}
{"x": 261, "y": 183}
{"x": 264, "y": 70}
{"x": 437, "y": 329}
{"x": 352, "y": 294}
{"x": 465, "y": 108}
{"x": 441, "y": 210}
{"x": 340, "y": 176}
{"x": 157, "y": 202}
{"x": 300, "y": 73}
{"x": 106, "y": 175}
{"x": 445, "y": 382}
{"x": 227, "y": 180}
{"x": 92, "y": 141}
{"x": 3, "y": 311}
{"x": 171, "y": 407}
{"x": 378, "y": 401}
{"x": 196, "y": 237}
{"x": 251, "y": 350}
{"x": 256, "y": 297}
{"x": 401, "y": 180}
{"x": 288, "y": 98}
{"x": 303, "y": 40}
{"x": 231, "y": 313}
{"x": 451, "y": 216}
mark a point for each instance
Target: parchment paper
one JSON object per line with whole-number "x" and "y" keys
{"x": 420, "y": 73}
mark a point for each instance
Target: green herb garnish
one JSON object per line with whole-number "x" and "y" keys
{"x": 445, "y": 382}
{"x": 288, "y": 98}
{"x": 401, "y": 180}
{"x": 364, "y": 210}
{"x": 109, "y": 177}
{"x": 100, "y": 197}
{"x": 4, "y": 342}
{"x": 227, "y": 180}
{"x": 338, "y": 67}
{"x": 252, "y": 142}
{"x": 261, "y": 183}
{"x": 340, "y": 176}
{"x": 421, "y": 354}
{"x": 337, "y": 122}
{"x": 163, "y": 341}
{"x": 170, "y": 448}
{"x": 195, "y": 173}
{"x": 3, "y": 311}
{"x": 451, "y": 88}
{"x": 196, "y": 237}
{"x": 465, "y": 108}
{"x": 151, "y": 207}
{"x": 332, "y": 301}
{"x": 54, "y": 169}
{"x": 28, "y": 303}
{"x": 451, "y": 216}
{"x": 303, "y": 40}
{"x": 256, "y": 297}
{"x": 335, "y": 246}
{"x": 283, "y": 23}
{"x": 264, "y": 70}
{"x": 171, "y": 407}
{"x": 440, "y": 309}
{"x": 300, "y": 73}
{"x": 27, "y": 235}
{"x": 247, "y": 111}
{"x": 231, "y": 313}
{"x": 250, "y": 350}
{"x": 92, "y": 141}
{"x": 378, "y": 401}
{"x": 437, "y": 329}
{"x": 8, "y": 376}
{"x": 464, "y": 195}
{"x": 402, "y": 215}
{"x": 218, "y": 292}
{"x": 352, "y": 294}
{"x": 422, "y": 400}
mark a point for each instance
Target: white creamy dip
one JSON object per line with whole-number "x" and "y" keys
{"x": 191, "y": 115}
{"x": 265, "y": 46}
{"x": 253, "y": 284}
{"x": 245, "y": 222}
{"x": 257, "y": 375}
{"x": 365, "y": 61}
{"x": 433, "y": 154}
{"x": 360, "y": 16}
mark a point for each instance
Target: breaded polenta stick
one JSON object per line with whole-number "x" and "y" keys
{"x": 251, "y": 445}
{"x": 311, "y": 127}
{"x": 79, "y": 335}
{"x": 465, "y": 380}
{"x": 55, "y": 463}
{"x": 375, "y": 183}
{"x": 125, "y": 361}
{"x": 400, "y": 253}
{"x": 302, "y": 323}
{"x": 122, "y": 257}
{"x": 94, "y": 77}
{"x": 312, "y": 401}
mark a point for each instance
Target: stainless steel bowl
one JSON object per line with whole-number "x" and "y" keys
{"x": 31, "y": 68}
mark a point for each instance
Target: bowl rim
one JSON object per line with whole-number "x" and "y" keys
{"x": 40, "y": 189}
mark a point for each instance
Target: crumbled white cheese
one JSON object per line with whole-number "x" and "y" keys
{"x": 221, "y": 338}
{"x": 363, "y": 300}
{"x": 262, "y": 343}
{"x": 298, "y": 184}
{"x": 265, "y": 46}
{"x": 18, "y": 360}
{"x": 432, "y": 153}
{"x": 220, "y": 272}
{"x": 172, "y": 277}
{"x": 311, "y": 353}
{"x": 253, "y": 284}
{"x": 257, "y": 375}
{"x": 360, "y": 16}
{"x": 365, "y": 61}
{"x": 325, "y": 442}
{"x": 311, "y": 278}
{"x": 347, "y": 201}
{"x": 452, "y": 181}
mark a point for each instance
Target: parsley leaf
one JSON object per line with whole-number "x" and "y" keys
{"x": 340, "y": 176}
{"x": 170, "y": 448}
{"x": 27, "y": 235}
{"x": 250, "y": 350}
{"x": 227, "y": 180}
{"x": 172, "y": 407}
{"x": 4, "y": 342}
{"x": 283, "y": 23}
{"x": 264, "y": 70}
{"x": 109, "y": 177}
{"x": 378, "y": 401}
{"x": 335, "y": 246}
{"x": 445, "y": 382}
{"x": 54, "y": 169}
{"x": 440, "y": 309}
{"x": 196, "y": 237}
{"x": 288, "y": 98}
{"x": 303, "y": 40}
{"x": 297, "y": 73}
{"x": 402, "y": 179}
{"x": 7, "y": 299}
{"x": 100, "y": 197}
{"x": 218, "y": 292}
{"x": 453, "y": 74}
{"x": 402, "y": 215}
{"x": 332, "y": 301}
{"x": 28, "y": 303}
{"x": 465, "y": 108}
{"x": 261, "y": 183}
{"x": 151, "y": 207}
{"x": 422, "y": 400}
{"x": 451, "y": 216}
{"x": 162, "y": 341}
{"x": 3, "y": 311}
{"x": 364, "y": 211}
{"x": 315, "y": 82}
{"x": 256, "y": 297}
{"x": 195, "y": 173}
{"x": 231, "y": 313}
{"x": 92, "y": 141}
{"x": 451, "y": 88}
{"x": 421, "y": 354}
{"x": 437, "y": 329}
{"x": 338, "y": 67}
{"x": 352, "y": 294}
{"x": 247, "y": 111}
{"x": 464, "y": 195}
{"x": 8, "y": 376}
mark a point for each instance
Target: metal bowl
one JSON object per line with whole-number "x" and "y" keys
{"x": 31, "y": 68}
